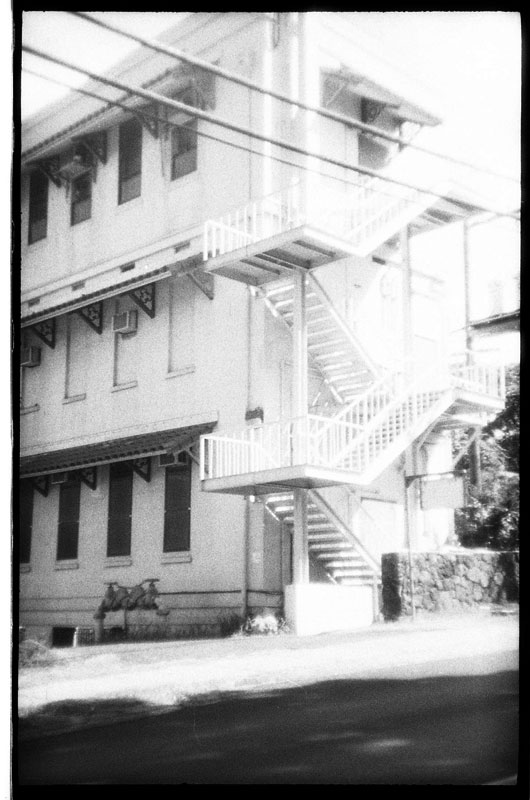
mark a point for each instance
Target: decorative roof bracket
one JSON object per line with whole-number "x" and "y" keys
{"x": 148, "y": 119}
{"x": 145, "y": 298}
{"x": 93, "y": 315}
{"x": 204, "y": 281}
{"x": 142, "y": 467}
{"x": 95, "y": 143}
{"x": 89, "y": 476}
{"x": 50, "y": 167}
{"x": 45, "y": 331}
{"x": 42, "y": 484}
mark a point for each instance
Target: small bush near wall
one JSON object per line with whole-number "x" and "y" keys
{"x": 456, "y": 581}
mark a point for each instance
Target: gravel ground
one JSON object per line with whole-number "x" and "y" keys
{"x": 92, "y": 685}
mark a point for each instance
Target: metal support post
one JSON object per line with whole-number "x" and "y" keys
{"x": 300, "y": 401}
{"x": 300, "y": 542}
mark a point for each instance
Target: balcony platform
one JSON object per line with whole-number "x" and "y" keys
{"x": 272, "y": 481}
{"x": 275, "y": 257}
{"x": 469, "y": 410}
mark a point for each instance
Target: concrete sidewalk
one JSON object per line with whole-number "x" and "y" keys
{"x": 153, "y": 677}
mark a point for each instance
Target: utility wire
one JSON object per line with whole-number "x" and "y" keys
{"x": 173, "y": 52}
{"x": 177, "y": 106}
{"x": 173, "y": 124}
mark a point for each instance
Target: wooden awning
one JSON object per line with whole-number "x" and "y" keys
{"x": 122, "y": 448}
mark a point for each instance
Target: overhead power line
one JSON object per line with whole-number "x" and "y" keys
{"x": 175, "y": 105}
{"x": 203, "y": 134}
{"x": 173, "y": 52}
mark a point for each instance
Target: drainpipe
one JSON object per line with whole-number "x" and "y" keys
{"x": 408, "y": 526}
{"x": 246, "y": 536}
{"x": 246, "y": 527}
{"x": 407, "y": 301}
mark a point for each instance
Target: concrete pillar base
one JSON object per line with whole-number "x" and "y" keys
{"x": 312, "y": 608}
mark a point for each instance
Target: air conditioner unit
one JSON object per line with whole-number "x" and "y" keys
{"x": 30, "y": 357}
{"x": 170, "y": 459}
{"x": 126, "y": 322}
{"x": 166, "y": 459}
{"x": 77, "y": 164}
{"x": 373, "y": 153}
{"x": 59, "y": 478}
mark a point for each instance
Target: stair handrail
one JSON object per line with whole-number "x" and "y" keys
{"x": 409, "y": 390}
{"x": 372, "y": 390}
{"x": 466, "y": 360}
{"x": 324, "y": 506}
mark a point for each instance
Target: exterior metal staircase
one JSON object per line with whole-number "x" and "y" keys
{"x": 331, "y": 542}
{"x": 341, "y": 358}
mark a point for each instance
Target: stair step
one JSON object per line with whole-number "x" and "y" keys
{"x": 350, "y": 573}
{"x": 323, "y": 546}
{"x": 328, "y": 343}
{"x": 321, "y": 332}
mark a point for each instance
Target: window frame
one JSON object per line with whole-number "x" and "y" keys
{"x": 68, "y": 521}
{"x": 119, "y": 516}
{"x": 38, "y": 206}
{"x": 177, "y": 539}
{"x": 76, "y": 203}
{"x": 130, "y": 138}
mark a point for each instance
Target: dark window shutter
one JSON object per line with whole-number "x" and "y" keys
{"x": 25, "y": 520}
{"x": 68, "y": 529}
{"x": 184, "y": 150}
{"x": 177, "y": 508}
{"x": 130, "y": 160}
{"x": 120, "y": 509}
{"x": 38, "y": 206}
{"x": 81, "y": 198}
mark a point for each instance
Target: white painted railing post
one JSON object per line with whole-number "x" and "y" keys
{"x": 202, "y": 463}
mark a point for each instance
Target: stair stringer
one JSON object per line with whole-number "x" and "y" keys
{"x": 414, "y": 206}
{"x": 346, "y": 532}
{"x": 405, "y": 439}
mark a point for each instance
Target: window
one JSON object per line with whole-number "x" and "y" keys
{"x": 130, "y": 161}
{"x": 184, "y": 149}
{"x": 177, "y": 507}
{"x": 81, "y": 198}
{"x": 25, "y": 520}
{"x": 68, "y": 530}
{"x": 120, "y": 509}
{"x": 38, "y": 206}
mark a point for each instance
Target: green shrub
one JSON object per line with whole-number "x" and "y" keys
{"x": 34, "y": 654}
{"x": 231, "y": 624}
{"x": 264, "y": 625}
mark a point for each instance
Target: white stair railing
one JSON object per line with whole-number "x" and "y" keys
{"x": 355, "y": 437}
{"x": 486, "y": 379}
{"x": 361, "y": 217}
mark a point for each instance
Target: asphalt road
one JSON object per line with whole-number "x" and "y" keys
{"x": 455, "y": 727}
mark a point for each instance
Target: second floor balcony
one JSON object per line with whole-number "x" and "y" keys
{"x": 308, "y": 224}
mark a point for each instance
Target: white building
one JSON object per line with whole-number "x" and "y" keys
{"x": 181, "y": 280}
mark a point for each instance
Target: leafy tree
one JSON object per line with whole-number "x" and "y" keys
{"x": 492, "y": 517}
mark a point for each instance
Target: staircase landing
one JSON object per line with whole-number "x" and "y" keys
{"x": 274, "y": 257}
{"x": 302, "y": 476}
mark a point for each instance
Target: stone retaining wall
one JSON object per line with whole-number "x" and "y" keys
{"x": 460, "y": 580}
